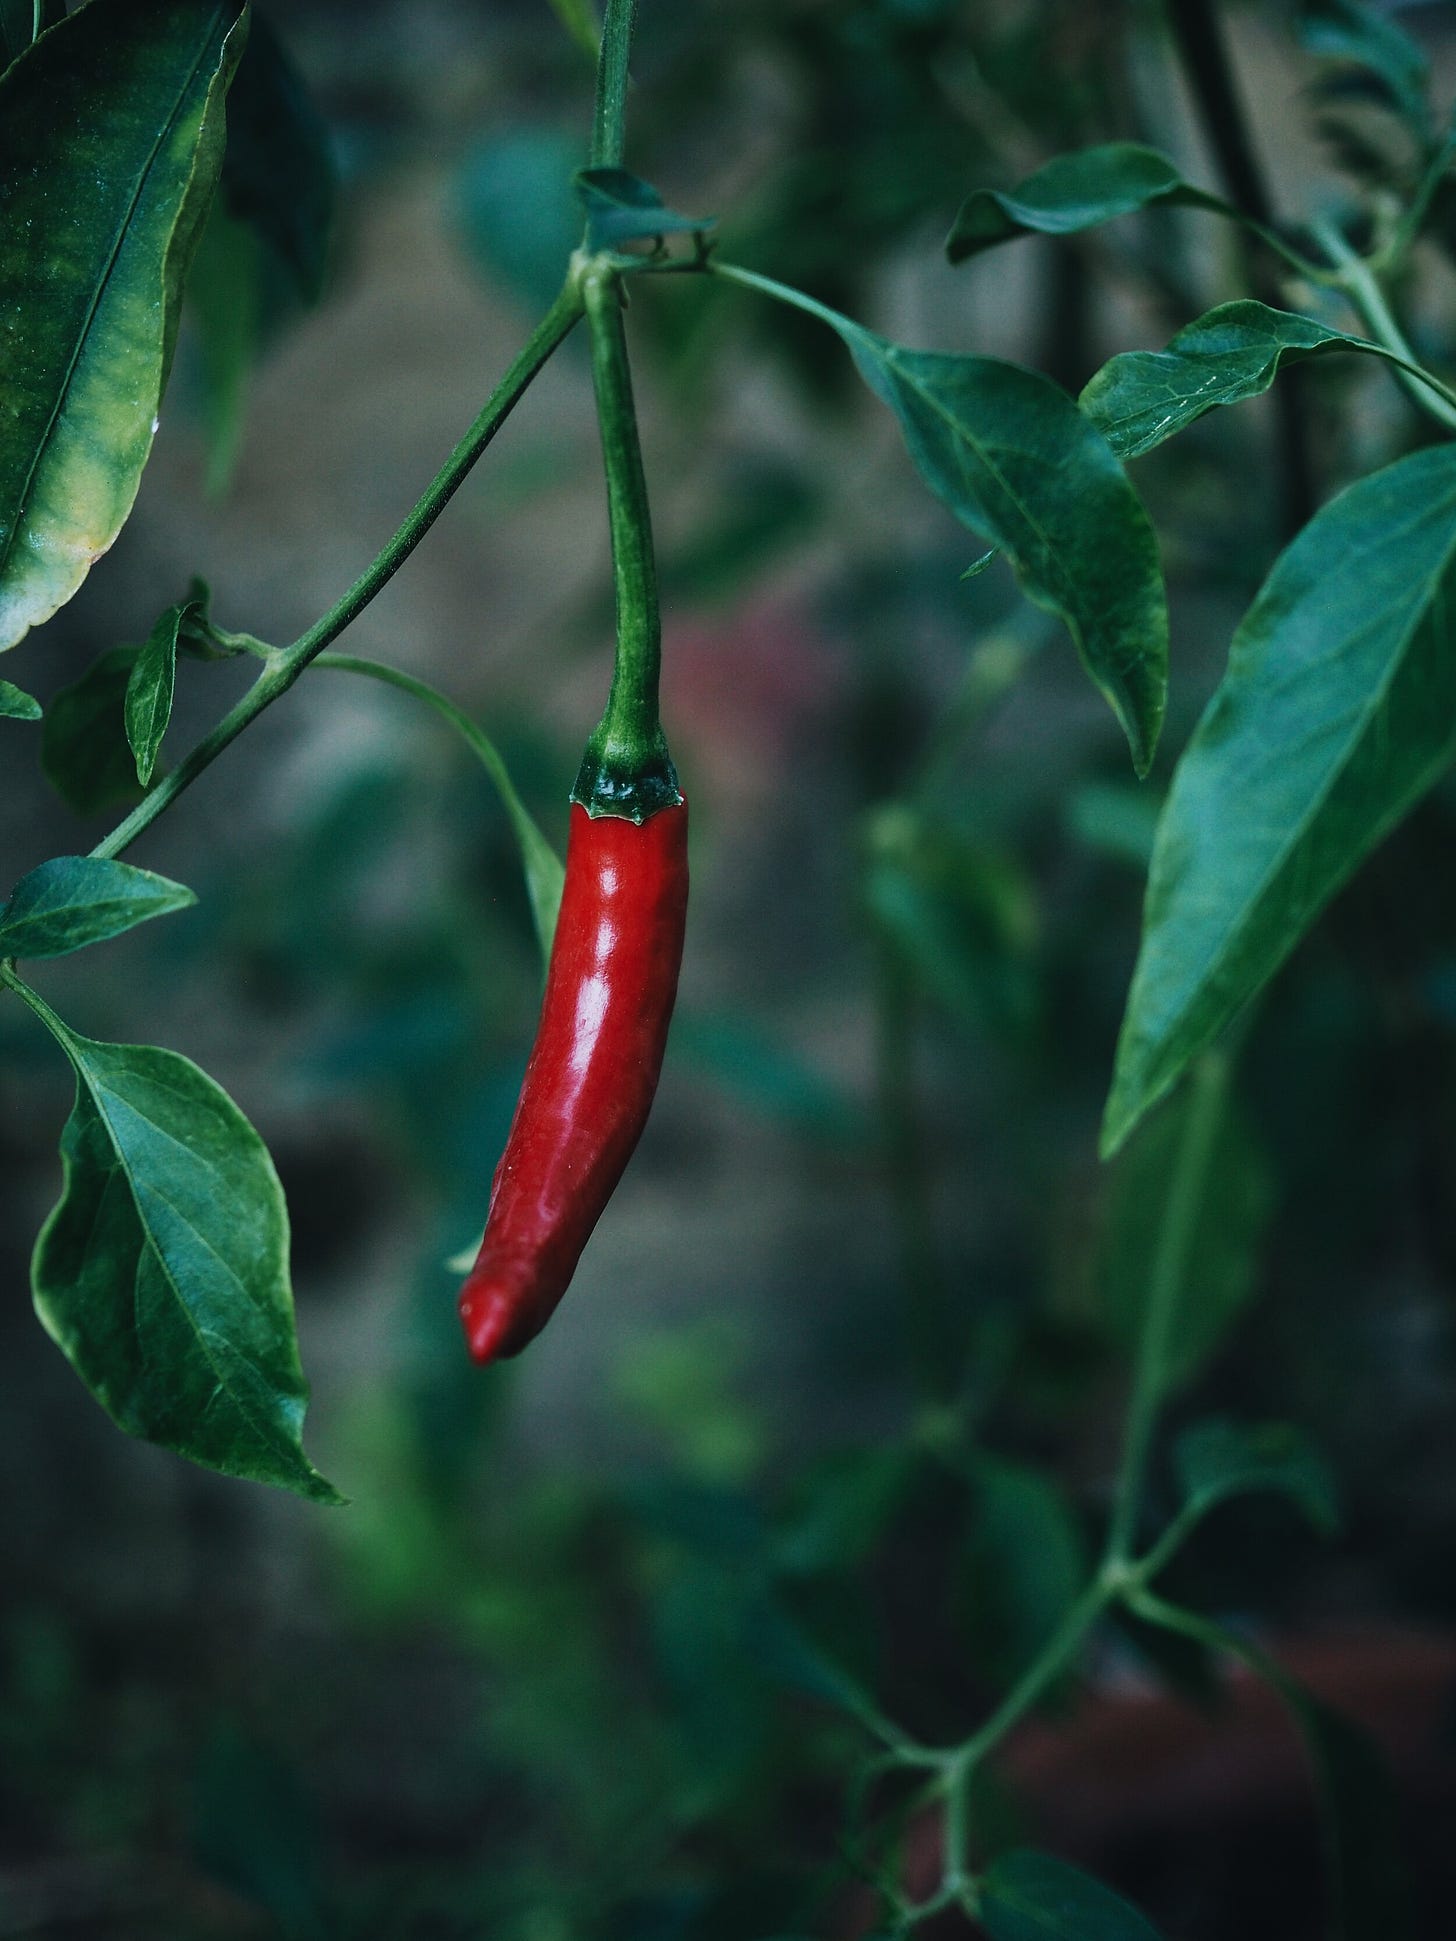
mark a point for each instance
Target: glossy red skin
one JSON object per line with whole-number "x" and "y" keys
{"x": 592, "y": 1073}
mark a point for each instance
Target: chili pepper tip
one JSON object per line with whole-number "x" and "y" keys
{"x": 486, "y": 1315}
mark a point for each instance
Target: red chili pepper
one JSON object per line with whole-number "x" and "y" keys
{"x": 592, "y": 1073}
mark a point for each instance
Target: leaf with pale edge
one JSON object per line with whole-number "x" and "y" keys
{"x": 162, "y": 1273}
{"x": 1219, "y": 1459}
{"x": 1015, "y": 460}
{"x": 1027, "y": 1896}
{"x": 1337, "y": 713}
{"x": 72, "y": 901}
{"x": 1231, "y": 353}
{"x": 16, "y": 704}
{"x": 1072, "y": 192}
{"x": 111, "y": 136}
{"x": 622, "y": 208}
{"x": 150, "y": 686}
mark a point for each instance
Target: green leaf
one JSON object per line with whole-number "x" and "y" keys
{"x": 84, "y": 752}
{"x": 1072, "y": 192}
{"x": 1022, "y": 1566}
{"x": 516, "y": 211}
{"x": 1222, "y": 1255}
{"x": 72, "y": 901}
{"x": 577, "y": 17}
{"x": 1342, "y": 30}
{"x": 1116, "y": 820}
{"x": 1219, "y": 1459}
{"x": 225, "y": 300}
{"x": 1337, "y": 713}
{"x": 1027, "y": 1896}
{"x": 148, "y": 705}
{"x": 110, "y": 145}
{"x": 1231, "y": 353}
{"x": 21, "y": 22}
{"x": 278, "y": 173}
{"x": 622, "y": 208}
{"x": 1014, "y": 459}
{"x": 162, "y": 1272}
{"x": 16, "y": 704}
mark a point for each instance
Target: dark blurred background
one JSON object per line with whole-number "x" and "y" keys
{"x": 850, "y": 1346}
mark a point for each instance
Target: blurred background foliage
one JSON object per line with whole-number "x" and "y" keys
{"x": 831, "y": 1414}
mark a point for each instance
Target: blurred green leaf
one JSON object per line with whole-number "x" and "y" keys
{"x": 841, "y": 1508}
{"x": 149, "y": 688}
{"x": 1219, "y": 1459}
{"x": 1026, "y": 1896}
{"x": 737, "y": 1055}
{"x": 1023, "y": 1564}
{"x": 1015, "y": 460}
{"x": 1222, "y": 1258}
{"x": 16, "y": 704}
{"x": 72, "y": 901}
{"x": 278, "y": 174}
{"x": 162, "y": 1272}
{"x": 225, "y": 300}
{"x": 1115, "y": 820}
{"x": 622, "y": 208}
{"x": 84, "y": 751}
{"x": 252, "y": 1830}
{"x": 111, "y": 134}
{"x": 579, "y": 19}
{"x": 513, "y": 204}
{"x": 1230, "y": 353}
{"x": 1072, "y": 192}
{"x": 1343, "y": 30}
{"x": 786, "y": 1654}
{"x": 1335, "y": 716}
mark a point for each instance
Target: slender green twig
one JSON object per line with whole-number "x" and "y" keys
{"x": 283, "y": 668}
{"x": 1358, "y": 282}
{"x": 1169, "y": 1272}
{"x": 544, "y": 873}
{"x": 610, "y": 115}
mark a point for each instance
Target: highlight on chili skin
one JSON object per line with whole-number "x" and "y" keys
{"x": 593, "y": 1070}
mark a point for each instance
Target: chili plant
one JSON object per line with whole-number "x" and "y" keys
{"x": 156, "y": 150}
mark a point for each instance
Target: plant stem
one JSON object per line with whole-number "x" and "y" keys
{"x": 544, "y": 872}
{"x": 1206, "y": 68}
{"x": 610, "y": 114}
{"x": 626, "y": 769}
{"x": 1358, "y": 282}
{"x": 283, "y": 668}
{"x": 1170, "y": 1264}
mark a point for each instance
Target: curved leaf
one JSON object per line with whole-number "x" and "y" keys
{"x": 1231, "y": 353}
{"x": 1011, "y": 455}
{"x": 149, "y": 688}
{"x": 1072, "y": 192}
{"x": 16, "y": 704}
{"x": 162, "y": 1272}
{"x": 1337, "y": 713}
{"x": 72, "y": 901}
{"x": 1028, "y": 1896}
{"x": 84, "y": 753}
{"x": 622, "y": 208}
{"x": 1219, "y": 1459}
{"x": 110, "y": 144}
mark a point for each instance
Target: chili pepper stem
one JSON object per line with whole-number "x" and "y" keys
{"x": 626, "y": 769}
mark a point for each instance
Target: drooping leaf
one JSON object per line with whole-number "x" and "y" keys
{"x": 1015, "y": 460}
{"x": 149, "y": 688}
{"x": 225, "y": 298}
{"x": 72, "y": 901}
{"x": 162, "y": 1272}
{"x": 1337, "y": 713}
{"x": 1220, "y": 1261}
{"x": 1231, "y": 353}
{"x": 1072, "y": 192}
{"x": 1219, "y": 1459}
{"x": 1343, "y": 30}
{"x": 17, "y": 705}
{"x": 1027, "y": 1896}
{"x": 21, "y": 22}
{"x": 278, "y": 172}
{"x": 622, "y": 208}
{"x": 110, "y": 143}
{"x": 84, "y": 752}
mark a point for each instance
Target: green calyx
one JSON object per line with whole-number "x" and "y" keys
{"x": 626, "y": 769}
